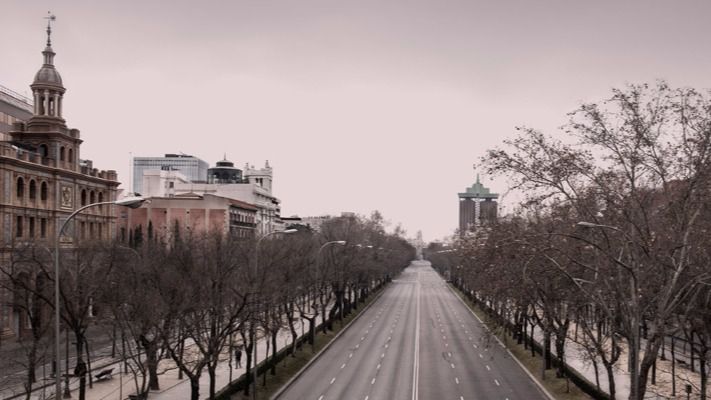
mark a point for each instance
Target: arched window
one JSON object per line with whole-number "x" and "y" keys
{"x": 101, "y": 200}
{"x": 61, "y": 153}
{"x": 20, "y": 188}
{"x": 43, "y": 191}
{"x": 83, "y": 197}
{"x": 33, "y": 189}
{"x": 71, "y": 156}
{"x": 43, "y": 150}
{"x": 92, "y": 198}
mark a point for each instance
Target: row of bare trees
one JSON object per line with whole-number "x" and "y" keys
{"x": 610, "y": 245}
{"x": 194, "y": 297}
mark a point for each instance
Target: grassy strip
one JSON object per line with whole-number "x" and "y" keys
{"x": 291, "y": 365}
{"x": 560, "y": 388}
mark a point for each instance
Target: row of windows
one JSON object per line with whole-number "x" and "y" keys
{"x": 86, "y": 197}
{"x": 43, "y": 189}
{"x": 64, "y": 154}
{"x": 91, "y": 197}
{"x": 31, "y": 227}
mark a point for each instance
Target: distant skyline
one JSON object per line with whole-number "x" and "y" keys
{"x": 358, "y": 106}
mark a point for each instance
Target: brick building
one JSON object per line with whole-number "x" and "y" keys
{"x": 194, "y": 212}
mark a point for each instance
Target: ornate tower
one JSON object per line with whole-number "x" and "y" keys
{"x": 46, "y": 130}
{"x": 476, "y": 207}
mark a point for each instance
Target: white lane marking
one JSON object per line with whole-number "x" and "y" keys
{"x": 358, "y": 345}
{"x": 343, "y": 365}
{"x": 362, "y": 338}
{"x": 461, "y": 397}
{"x": 497, "y": 382}
{"x": 366, "y": 398}
{"x": 320, "y": 398}
{"x": 456, "y": 380}
{"x": 350, "y": 355}
{"x": 386, "y": 345}
{"x": 481, "y": 356}
{"x": 378, "y": 367}
{"x": 452, "y": 364}
{"x": 332, "y": 380}
{"x": 382, "y": 355}
{"x": 372, "y": 382}
{"x": 487, "y": 368}
{"x": 416, "y": 363}
{"x": 475, "y": 346}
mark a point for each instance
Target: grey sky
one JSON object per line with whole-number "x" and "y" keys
{"x": 358, "y": 105}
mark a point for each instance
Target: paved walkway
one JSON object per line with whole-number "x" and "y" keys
{"x": 122, "y": 384}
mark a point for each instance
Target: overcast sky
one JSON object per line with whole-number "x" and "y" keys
{"x": 358, "y": 105}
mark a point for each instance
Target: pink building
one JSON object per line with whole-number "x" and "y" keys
{"x": 191, "y": 212}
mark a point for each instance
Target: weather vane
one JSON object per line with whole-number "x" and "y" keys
{"x": 50, "y": 17}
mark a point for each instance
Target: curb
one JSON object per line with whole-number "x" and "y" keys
{"x": 523, "y": 367}
{"x": 326, "y": 347}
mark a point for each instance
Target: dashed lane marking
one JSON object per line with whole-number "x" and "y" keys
{"x": 343, "y": 365}
{"x": 487, "y": 368}
{"x": 456, "y": 380}
{"x": 497, "y": 382}
{"x": 332, "y": 380}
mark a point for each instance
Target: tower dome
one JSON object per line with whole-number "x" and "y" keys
{"x": 47, "y": 86}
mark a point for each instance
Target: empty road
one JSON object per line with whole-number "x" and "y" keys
{"x": 417, "y": 341}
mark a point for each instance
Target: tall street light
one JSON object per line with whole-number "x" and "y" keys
{"x": 254, "y": 330}
{"x": 318, "y": 257}
{"x": 131, "y": 202}
{"x": 634, "y": 348}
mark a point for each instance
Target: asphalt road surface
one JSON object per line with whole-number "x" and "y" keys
{"x": 417, "y": 341}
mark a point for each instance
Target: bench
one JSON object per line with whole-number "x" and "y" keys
{"x": 104, "y": 375}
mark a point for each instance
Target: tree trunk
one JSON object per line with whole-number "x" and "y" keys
{"x": 195, "y": 388}
{"x": 547, "y": 349}
{"x": 211, "y": 375}
{"x": 610, "y": 380}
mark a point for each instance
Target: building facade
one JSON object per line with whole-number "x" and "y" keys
{"x": 192, "y": 167}
{"x": 43, "y": 180}
{"x": 253, "y": 187}
{"x": 189, "y": 212}
{"x": 14, "y": 107}
{"x": 477, "y": 206}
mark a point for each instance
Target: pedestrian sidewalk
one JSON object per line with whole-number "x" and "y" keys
{"x": 577, "y": 359}
{"x": 121, "y": 385}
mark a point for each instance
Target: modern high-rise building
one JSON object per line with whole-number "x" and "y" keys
{"x": 194, "y": 169}
{"x": 477, "y": 206}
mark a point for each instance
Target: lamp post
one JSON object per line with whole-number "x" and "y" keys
{"x": 634, "y": 347}
{"x": 318, "y": 258}
{"x": 254, "y": 318}
{"x": 131, "y": 202}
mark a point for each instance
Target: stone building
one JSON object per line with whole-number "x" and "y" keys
{"x": 43, "y": 180}
{"x": 477, "y": 206}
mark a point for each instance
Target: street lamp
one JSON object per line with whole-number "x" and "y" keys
{"x": 131, "y": 202}
{"x": 634, "y": 348}
{"x": 254, "y": 330}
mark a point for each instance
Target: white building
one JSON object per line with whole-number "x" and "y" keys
{"x": 254, "y": 188}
